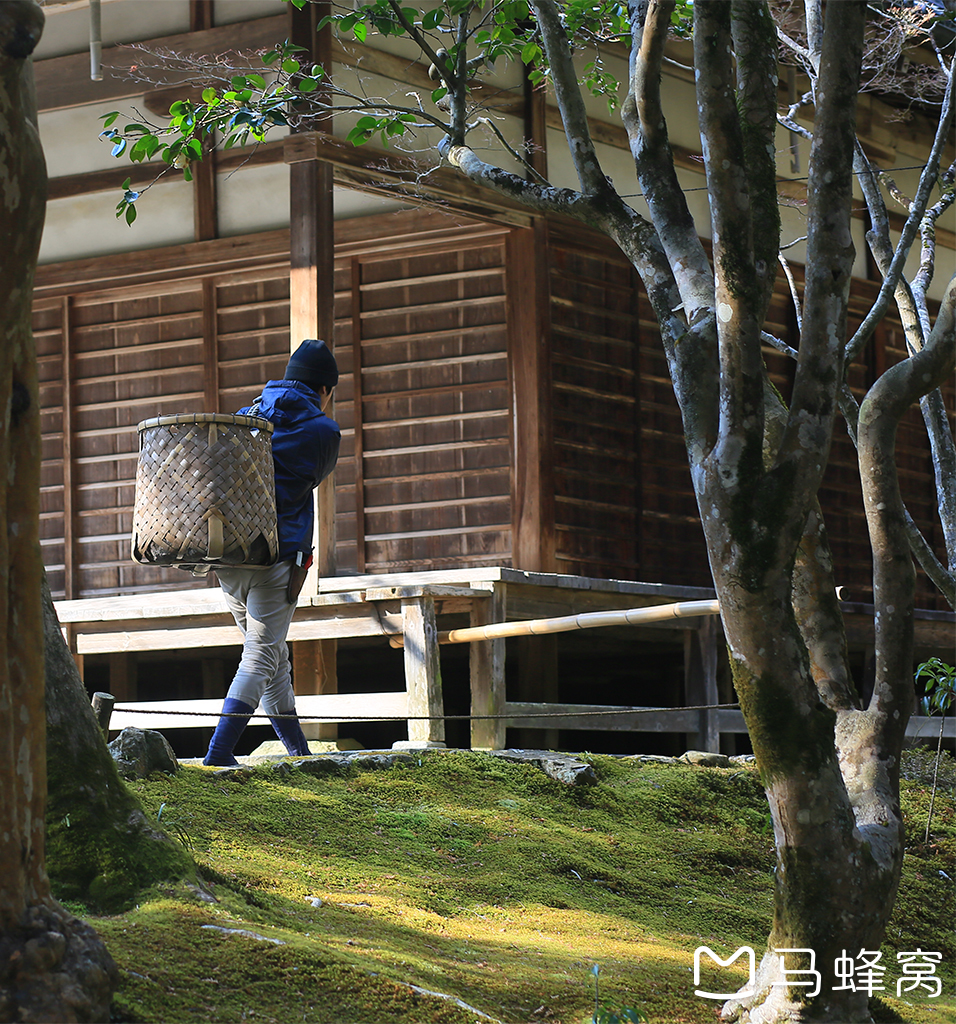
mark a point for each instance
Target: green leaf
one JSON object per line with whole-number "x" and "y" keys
{"x": 109, "y": 118}
{"x": 439, "y": 94}
{"x": 361, "y": 31}
{"x": 209, "y": 95}
{"x": 130, "y": 214}
{"x": 257, "y": 80}
{"x": 530, "y": 52}
{"x": 308, "y": 85}
{"x": 119, "y": 147}
{"x": 433, "y": 18}
{"x": 238, "y": 82}
{"x": 271, "y": 57}
{"x": 290, "y": 66}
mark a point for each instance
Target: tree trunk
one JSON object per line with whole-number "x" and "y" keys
{"x": 52, "y": 966}
{"x": 101, "y": 849}
{"x": 834, "y": 882}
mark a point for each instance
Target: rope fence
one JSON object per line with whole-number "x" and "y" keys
{"x": 432, "y": 718}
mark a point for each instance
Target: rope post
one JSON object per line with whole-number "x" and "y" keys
{"x": 103, "y": 709}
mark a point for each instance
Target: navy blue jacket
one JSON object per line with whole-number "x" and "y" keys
{"x": 305, "y": 446}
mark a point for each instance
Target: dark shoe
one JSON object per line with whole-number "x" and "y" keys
{"x": 228, "y": 732}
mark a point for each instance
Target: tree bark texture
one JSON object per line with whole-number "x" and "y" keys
{"x": 100, "y": 847}
{"x": 53, "y": 967}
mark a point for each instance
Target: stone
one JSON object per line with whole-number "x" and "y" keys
{"x": 706, "y": 759}
{"x": 140, "y": 752}
{"x": 563, "y": 768}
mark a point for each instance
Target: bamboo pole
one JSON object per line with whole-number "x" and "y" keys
{"x": 566, "y": 623}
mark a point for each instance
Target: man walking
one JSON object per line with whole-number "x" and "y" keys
{"x": 305, "y": 447}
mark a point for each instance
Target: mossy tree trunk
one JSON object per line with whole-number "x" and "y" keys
{"x": 53, "y": 967}
{"x": 101, "y": 849}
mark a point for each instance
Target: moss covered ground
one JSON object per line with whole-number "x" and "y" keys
{"x": 324, "y": 898}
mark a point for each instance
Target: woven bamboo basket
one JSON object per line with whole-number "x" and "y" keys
{"x": 205, "y": 492}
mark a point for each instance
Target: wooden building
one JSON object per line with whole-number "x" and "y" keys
{"x": 504, "y": 398}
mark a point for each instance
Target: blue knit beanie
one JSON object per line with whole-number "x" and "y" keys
{"x": 313, "y": 365}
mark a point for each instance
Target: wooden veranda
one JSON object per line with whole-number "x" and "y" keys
{"x": 412, "y": 607}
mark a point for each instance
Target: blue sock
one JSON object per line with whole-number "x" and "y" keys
{"x": 290, "y": 732}
{"x": 228, "y": 732}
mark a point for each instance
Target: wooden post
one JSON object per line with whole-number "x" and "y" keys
{"x": 700, "y": 680}
{"x": 205, "y": 209}
{"x": 103, "y": 709}
{"x": 70, "y": 562}
{"x": 312, "y": 315}
{"x": 487, "y": 664}
{"x": 535, "y": 127}
{"x": 529, "y": 358}
{"x": 312, "y": 262}
{"x": 314, "y": 671}
{"x": 357, "y": 415}
{"x": 422, "y": 674}
{"x": 210, "y": 346}
{"x": 533, "y": 535}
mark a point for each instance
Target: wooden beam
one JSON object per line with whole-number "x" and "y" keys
{"x": 205, "y": 202}
{"x": 312, "y": 266}
{"x": 70, "y": 583}
{"x": 194, "y": 259}
{"x": 423, "y": 672}
{"x": 487, "y": 670}
{"x": 357, "y": 415}
{"x": 532, "y": 444}
{"x": 65, "y": 81}
{"x": 210, "y": 345}
{"x": 700, "y": 681}
{"x": 186, "y": 714}
{"x": 201, "y": 15}
{"x": 535, "y": 125}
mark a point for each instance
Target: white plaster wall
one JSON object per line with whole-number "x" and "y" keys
{"x": 71, "y": 139}
{"x": 253, "y": 199}
{"x": 348, "y": 203}
{"x": 67, "y": 28}
{"x": 227, "y": 12}
{"x": 87, "y": 225}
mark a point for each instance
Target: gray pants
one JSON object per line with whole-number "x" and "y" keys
{"x": 257, "y": 600}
